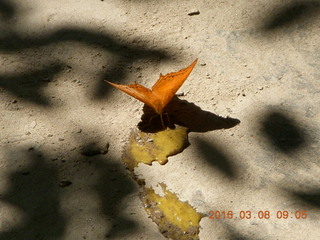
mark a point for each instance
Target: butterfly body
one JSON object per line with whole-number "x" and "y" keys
{"x": 162, "y": 91}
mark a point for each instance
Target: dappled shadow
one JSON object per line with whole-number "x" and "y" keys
{"x": 185, "y": 114}
{"x": 294, "y": 12}
{"x": 117, "y": 69}
{"x": 35, "y": 190}
{"x": 234, "y": 234}
{"x": 311, "y": 198}
{"x": 7, "y": 9}
{"x": 112, "y": 186}
{"x": 216, "y": 157}
{"x": 35, "y": 193}
{"x": 29, "y": 86}
{"x": 282, "y": 131}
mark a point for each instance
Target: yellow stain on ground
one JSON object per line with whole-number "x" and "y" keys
{"x": 148, "y": 147}
{"x": 176, "y": 220}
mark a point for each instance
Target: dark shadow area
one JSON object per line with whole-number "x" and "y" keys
{"x": 216, "y": 157}
{"x": 125, "y": 54}
{"x": 29, "y": 86}
{"x": 234, "y": 234}
{"x": 185, "y": 114}
{"x": 112, "y": 187}
{"x": 311, "y": 198}
{"x": 93, "y": 149}
{"x": 7, "y": 9}
{"x": 295, "y": 12}
{"x": 34, "y": 191}
{"x": 283, "y": 132}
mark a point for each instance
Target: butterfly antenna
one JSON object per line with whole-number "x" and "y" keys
{"x": 162, "y": 122}
{"x": 150, "y": 120}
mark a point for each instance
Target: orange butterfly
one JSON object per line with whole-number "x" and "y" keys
{"x": 162, "y": 91}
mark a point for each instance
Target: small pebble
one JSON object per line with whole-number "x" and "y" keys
{"x": 93, "y": 150}
{"x": 64, "y": 184}
{"x": 105, "y": 149}
{"x": 260, "y": 88}
{"x": 33, "y": 124}
{"x": 90, "y": 152}
{"x": 194, "y": 12}
{"x": 14, "y": 101}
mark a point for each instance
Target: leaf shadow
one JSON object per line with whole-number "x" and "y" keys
{"x": 309, "y": 198}
{"x": 184, "y": 113}
{"x": 234, "y": 234}
{"x": 113, "y": 186}
{"x": 282, "y": 131}
{"x": 7, "y": 9}
{"x": 294, "y": 12}
{"x": 29, "y": 86}
{"x": 124, "y": 54}
{"x": 34, "y": 192}
{"x": 216, "y": 157}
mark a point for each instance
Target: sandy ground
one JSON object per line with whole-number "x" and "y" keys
{"x": 259, "y": 62}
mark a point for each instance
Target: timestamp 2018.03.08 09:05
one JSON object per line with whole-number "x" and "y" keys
{"x": 281, "y": 214}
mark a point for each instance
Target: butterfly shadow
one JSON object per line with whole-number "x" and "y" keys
{"x": 186, "y": 114}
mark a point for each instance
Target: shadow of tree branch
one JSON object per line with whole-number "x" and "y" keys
{"x": 7, "y": 9}
{"x": 311, "y": 198}
{"x": 34, "y": 191}
{"x": 126, "y": 54}
{"x": 29, "y": 86}
{"x": 294, "y": 12}
{"x": 216, "y": 157}
{"x": 113, "y": 186}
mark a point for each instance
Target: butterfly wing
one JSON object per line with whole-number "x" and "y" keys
{"x": 137, "y": 91}
{"x": 167, "y": 86}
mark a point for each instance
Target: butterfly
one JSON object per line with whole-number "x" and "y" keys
{"x": 162, "y": 91}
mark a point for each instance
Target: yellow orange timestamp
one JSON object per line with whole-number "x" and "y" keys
{"x": 262, "y": 214}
